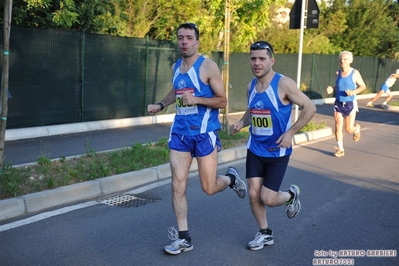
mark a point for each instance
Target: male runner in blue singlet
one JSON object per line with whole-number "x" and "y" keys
{"x": 198, "y": 93}
{"x": 349, "y": 83}
{"x": 270, "y": 98}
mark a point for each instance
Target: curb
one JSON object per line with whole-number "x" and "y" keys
{"x": 312, "y": 135}
{"x": 45, "y": 131}
{"x": 89, "y": 190}
{"x": 391, "y": 108}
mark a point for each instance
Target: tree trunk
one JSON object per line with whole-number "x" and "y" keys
{"x": 4, "y": 83}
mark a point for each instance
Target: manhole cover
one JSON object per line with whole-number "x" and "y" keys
{"x": 127, "y": 201}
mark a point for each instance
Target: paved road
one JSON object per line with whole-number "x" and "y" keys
{"x": 349, "y": 204}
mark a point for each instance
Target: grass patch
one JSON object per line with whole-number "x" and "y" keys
{"x": 312, "y": 126}
{"x": 50, "y": 174}
{"x": 394, "y": 103}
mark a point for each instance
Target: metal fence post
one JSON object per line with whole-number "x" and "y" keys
{"x": 82, "y": 71}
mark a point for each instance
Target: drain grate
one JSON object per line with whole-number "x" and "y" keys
{"x": 127, "y": 201}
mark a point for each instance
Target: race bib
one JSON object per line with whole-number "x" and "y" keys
{"x": 181, "y": 108}
{"x": 261, "y": 122}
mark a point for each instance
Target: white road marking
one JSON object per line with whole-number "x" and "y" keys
{"x": 46, "y": 215}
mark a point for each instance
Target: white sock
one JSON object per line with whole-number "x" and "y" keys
{"x": 357, "y": 129}
{"x": 384, "y": 103}
{"x": 340, "y": 145}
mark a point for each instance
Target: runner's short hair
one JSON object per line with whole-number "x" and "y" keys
{"x": 191, "y": 26}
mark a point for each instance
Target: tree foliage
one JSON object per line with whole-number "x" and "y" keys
{"x": 372, "y": 29}
{"x": 317, "y": 40}
{"x": 366, "y": 27}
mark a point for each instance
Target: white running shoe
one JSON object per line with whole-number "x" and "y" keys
{"x": 261, "y": 240}
{"x": 239, "y": 186}
{"x": 295, "y": 206}
{"x": 178, "y": 245}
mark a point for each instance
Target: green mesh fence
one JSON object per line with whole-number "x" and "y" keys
{"x": 59, "y": 77}
{"x": 123, "y": 75}
{"x": 317, "y": 72}
{"x": 43, "y": 80}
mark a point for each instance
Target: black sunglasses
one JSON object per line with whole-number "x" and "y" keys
{"x": 192, "y": 25}
{"x": 261, "y": 46}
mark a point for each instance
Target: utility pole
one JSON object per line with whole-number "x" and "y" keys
{"x": 226, "y": 58}
{"x": 299, "y": 69}
{"x": 304, "y": 13}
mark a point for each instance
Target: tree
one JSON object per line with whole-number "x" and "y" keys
{"x": 92, "y": 15}
{"x": 316, "y": 40}
{"x": 136, "y": 17}
{"x": 390, "y": 47}
{"x": 370, "y": 31}
{"x": 4, "y": 80}
{"x": 366, "y": 27}
{"x": 248, "y": 18}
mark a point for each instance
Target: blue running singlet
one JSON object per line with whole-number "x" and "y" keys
{"x": 270, "y": 118}
{"x": 193, "y": 119}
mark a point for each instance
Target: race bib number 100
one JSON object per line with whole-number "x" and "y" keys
{"x": 261, "y": 122}
{"x": 181, "y": 108}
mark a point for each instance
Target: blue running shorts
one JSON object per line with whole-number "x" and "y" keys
{"x": 199, "y": 145}
{"x": 345, "y": 108}
{"x": 385, "y": 88}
